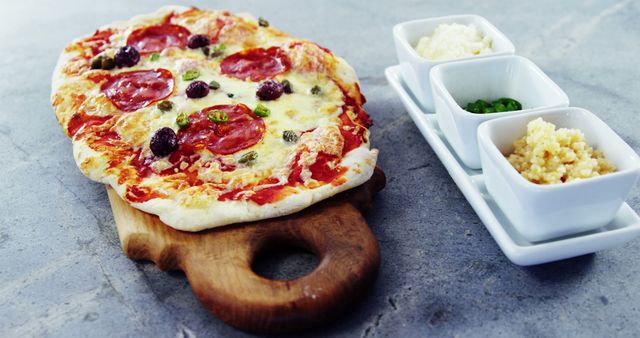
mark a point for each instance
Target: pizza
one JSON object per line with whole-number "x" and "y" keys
{"x": 206, "y": 118}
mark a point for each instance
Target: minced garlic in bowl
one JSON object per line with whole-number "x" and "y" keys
{"x": 454, "y": 41}
{"x": 549, "y": 156}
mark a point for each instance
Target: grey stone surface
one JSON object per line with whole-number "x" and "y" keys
{"x": 63, "y": 273}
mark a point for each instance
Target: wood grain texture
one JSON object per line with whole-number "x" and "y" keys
{"x": 217, "y": 262}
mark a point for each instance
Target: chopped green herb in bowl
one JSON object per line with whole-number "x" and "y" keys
{"x": 497, "y": 106}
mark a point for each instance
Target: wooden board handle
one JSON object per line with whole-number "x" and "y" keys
{"x": 218, "y": 262}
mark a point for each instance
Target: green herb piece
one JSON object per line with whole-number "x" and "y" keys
{"x": 477, "y": 107}
{"x": 165, "y": 105}
{"x": 190, "y": 74}
{"x": 230, "y": 95}
{"x": 218, "y": 116}
{"x": 510, "y": 104}
{"x": 290, "y": 136}
{"x": 155, "y": 57}
{"x": 261, "y": 110}
{"x": 316, "y": 90}
{"x": 497, "y": 106}
{"x": 248, "y": 158}
{"x": 217, "y": 50}
{"x": 205, "y": 50}
{"x": 214, "y": 85}
{"x": 286, "y": 86}
{"x": 182, "y": 120}
{"x": 262, "y": 22}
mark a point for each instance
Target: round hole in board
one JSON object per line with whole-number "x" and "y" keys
{"x": 284, "y": 262}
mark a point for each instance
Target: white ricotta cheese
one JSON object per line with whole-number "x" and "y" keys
{"x": 454, "y": 41}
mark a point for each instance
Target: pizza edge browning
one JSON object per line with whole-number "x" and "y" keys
{"x": 359, "y": 163}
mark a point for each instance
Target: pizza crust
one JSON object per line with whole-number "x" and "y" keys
{"x": 360, "y": 163}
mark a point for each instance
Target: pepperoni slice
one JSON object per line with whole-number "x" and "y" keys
{"x": 256, "y": 64}
{"x": 130, "y": 91}
{"x": 155, "y": 39}
{"x": 242, "y": 130}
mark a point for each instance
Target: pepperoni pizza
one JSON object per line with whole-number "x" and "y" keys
{"x": 206, "y": 118}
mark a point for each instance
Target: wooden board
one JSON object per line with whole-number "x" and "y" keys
{"x": 217, "y": 262}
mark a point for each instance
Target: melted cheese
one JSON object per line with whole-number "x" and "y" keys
{"x": 300, "y": 111}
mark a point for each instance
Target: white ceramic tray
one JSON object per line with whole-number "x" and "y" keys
{"x": 624, "y": 227}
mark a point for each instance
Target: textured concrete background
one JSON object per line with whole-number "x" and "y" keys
{"x": 62, "y": 272}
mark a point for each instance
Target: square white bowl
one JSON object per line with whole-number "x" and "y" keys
{"x": 542, "y": 212}
{"x": 456, "y": 84}
{"x": 415, "y": 68}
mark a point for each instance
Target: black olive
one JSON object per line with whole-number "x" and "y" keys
{"x": 197, "y": 89}
{"x": 163, "y": 142}
{"x": 197, "y": 41}
{"x": 126, "y": 56}
{"x": 269, "y": 90}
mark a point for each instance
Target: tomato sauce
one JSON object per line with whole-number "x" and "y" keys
{"x": 140, "y": 194}
{"x": 79, "y": 120}
{"x": 181, "y": 155}
{"x": 97, "y": 42}
{"x": 353, "y": 134}
{"x": 322, "y": 169}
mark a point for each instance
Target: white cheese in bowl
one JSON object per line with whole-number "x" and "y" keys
{"x": 454, "y": 41}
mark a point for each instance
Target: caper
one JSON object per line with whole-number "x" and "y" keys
{"x": 108, "y": 63}
{"x": 248, "y": 158}
{"x": 262, "y": 22}
{"x": 96, "y": 63}
{"x": 316, "y": 90}
{"x": 103, "y": 62}
{"x": 217, "y": 50}
{"x": 290, "y": 136}
{"x": 165, "y": 105}
{"x": 213, "y": 84}
{"x": 286, "y": 86}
